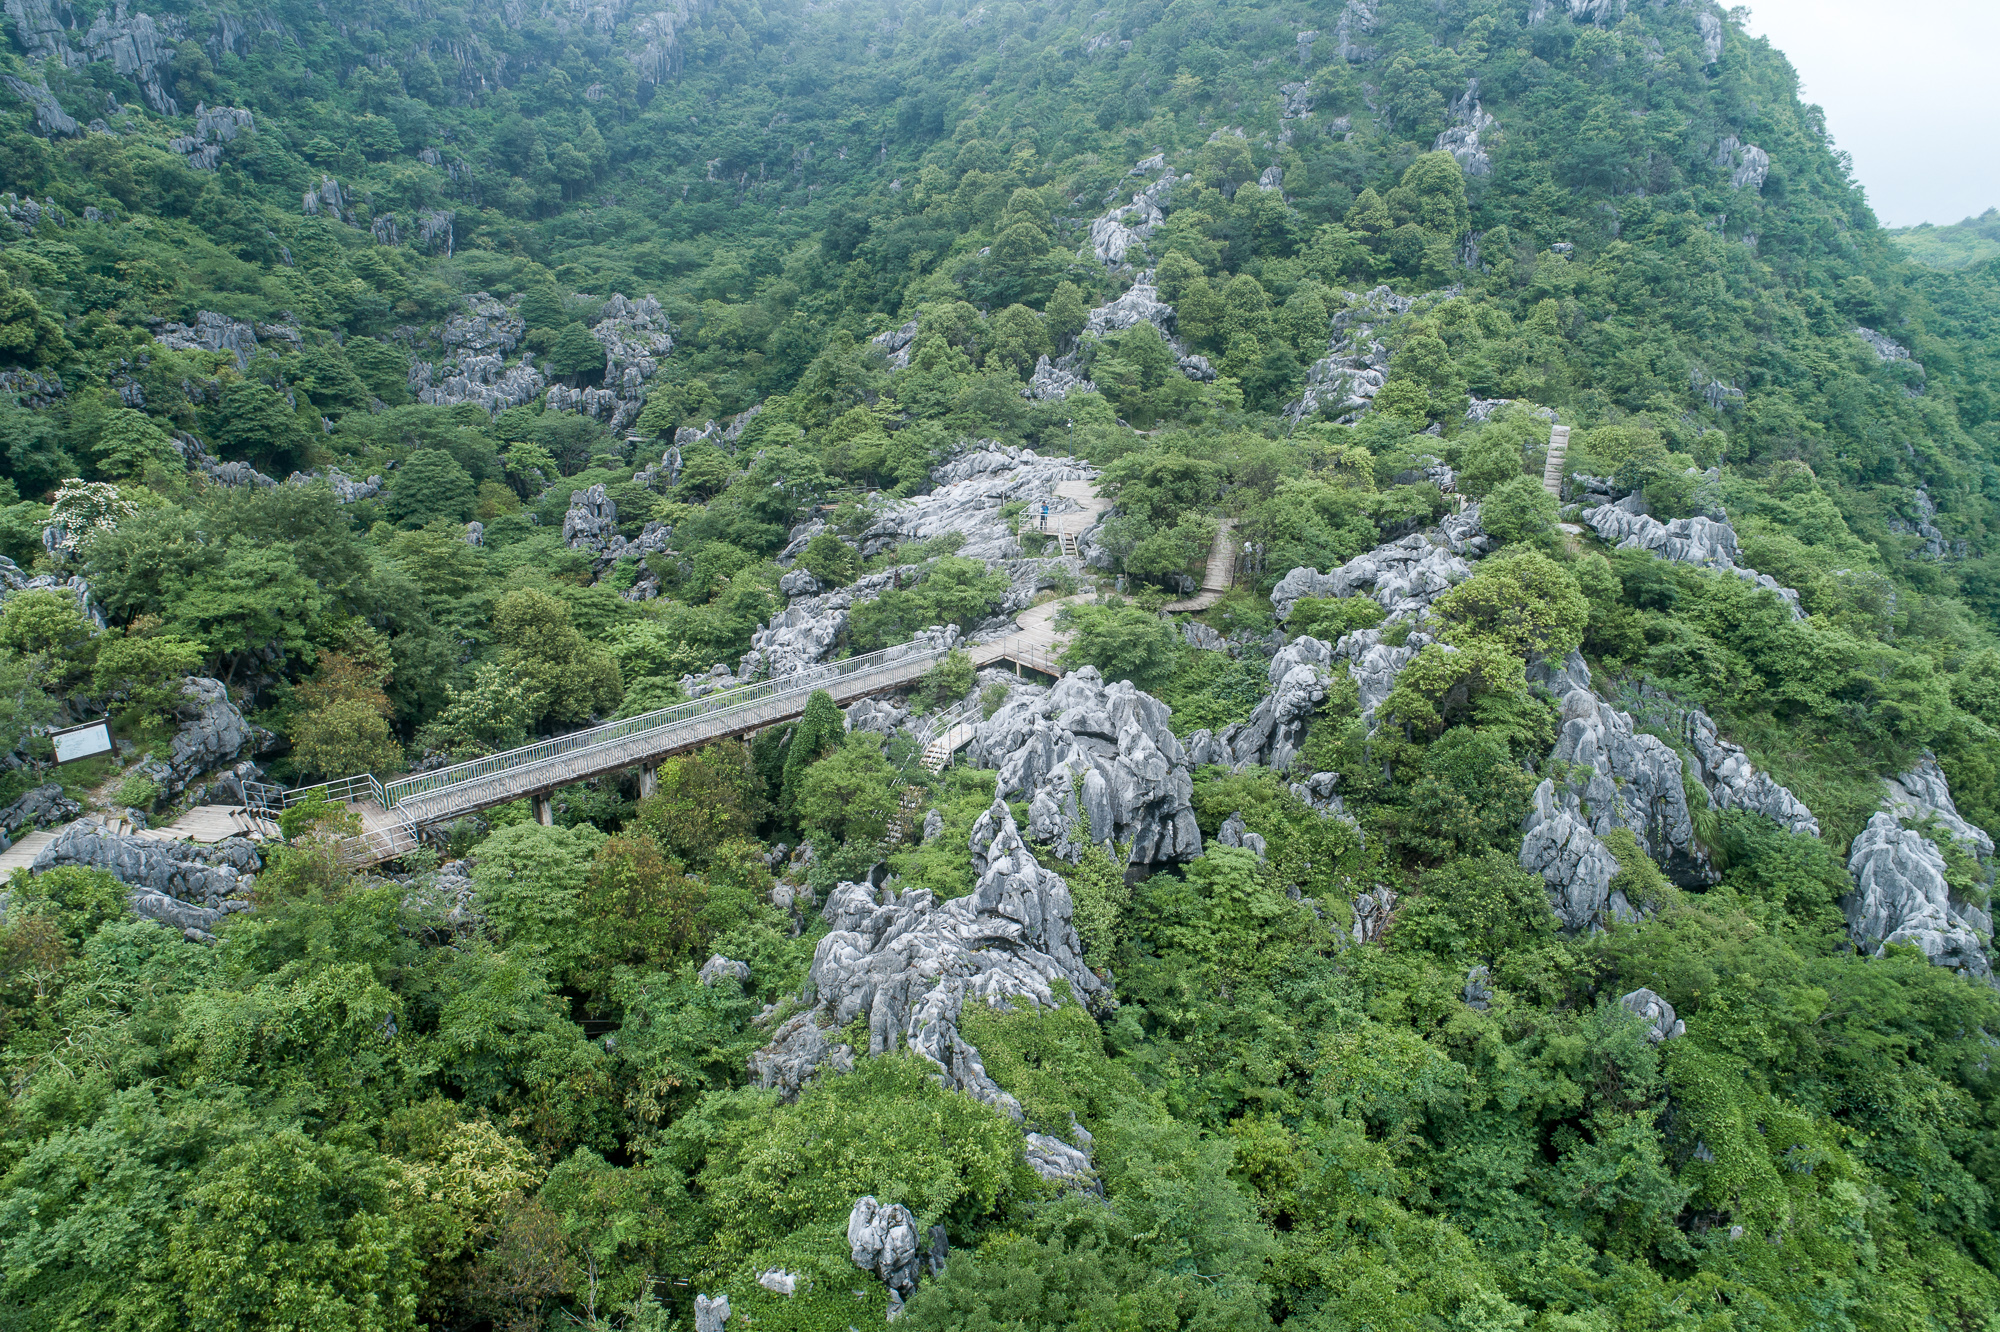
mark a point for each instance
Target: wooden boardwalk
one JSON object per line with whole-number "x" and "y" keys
{"x": 1220, "y": 573}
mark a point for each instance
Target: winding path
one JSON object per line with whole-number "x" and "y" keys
{"x": 1220, "y": 573}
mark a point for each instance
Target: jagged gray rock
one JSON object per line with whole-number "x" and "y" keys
{"x": 1746, "y": 163}
{"x": 1095, "y": 763}
{"x": 592, "y": 519}
{"x": 1935, "y": 546}
{"x": 212, "y": 733}
{"x": 1053, "y": 383}
{"x": 183, "y": 885}
{"x": 718, "y": 967}
{"x": 1923, "y": 793}
{"x": 1707, "y": 543}
{"x": 779, "y": 1282}
{"x": 1710, "y": 27}
{"x": 884, "y": 1242}
{"x": 1373, "y": 912}
{"x": 798, "y": 637}
{"x": 797, "y": 1053}
{"x": 1299, "y": 674}
{"x": 636, "y": 336}
{"x": 1478, "y": 991}
{"x": 1405, "y": 575}
{"x": 484, "y": 379}
{"x": 212, "y": 332}
{"x": 933, "y": 825}
{"x": 1202, "y": 638}
{"x": 42, "y": 807}
{"x": 1661, "y": 1024}
{"x": 910, "y": 962}
{"x": 1235, "y": 832}
{"x": 1345, "y": 381}
{"x": 798, "y": 583}
{"x": 896, "y": 343}
{"x": 1356, "y": 21}
{"x": 1061, "y": 1163}
{"x": 48, "y": 111}
{"x": 880, "y": 715}
{"x": 1624, "y": 779}
{"x": 1901, "y": 896}
{"x": 710, "y": 1315}
{"x": 1575, "y": 866}
{"x": 1461, "y": 137}
{"x": 345, "y": 488}
{"x": 1734, "y": 783}
{"x": 966, "y": 497}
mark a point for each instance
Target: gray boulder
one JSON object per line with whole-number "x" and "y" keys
{"x": 1318, "y": 791}
{"x": 1478, "y": 990}
{"x": 43, "y": 807}
{"x": 1374, "y": 665}
{"x": 879, "y": 715}
{"x": 884, "y": 1241}
{"x": 1575, "y": 866}
{"x": 1461, "y": 137}
{"x": 1373, "y": 913}
{"x": 481, "y": 378}
{"x": 1115, "y": 743}
{"x": 183, "y": 885}
{"x": 1733, "y": 783}
{"x": 1202, "y": 638}
{"x": 933, "y": 825}
{"x": 1300, "y": 674}
{"x": 1404, "y": 576}
{"x": 1661, "y": 1024}
{"x": 1627, "y": 780}
{"x": 798, "y": 583}
{"x": 592, "y": 519}
{"x": 1235, "y": 832}
{"x": 718, "y": 967}
{"x": 1901, "y": 896}
{"x": 966, "y": 497}
{"x": 797, "y": 1053}
{"x": 710, "y": 1315}
{"x": 212, "y": 733}
{"x": 1060, "y": 1163}
{"x": 1053, "y": 382}
{"x": 1345, "y": 381}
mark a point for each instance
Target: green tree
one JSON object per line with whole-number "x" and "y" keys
{"x": 576, "y": 353}
{"x": 128, "y": 443}
{"x": 1124, "y": 643}
{"x": 849, "y": 796}
{"x": 490, "y": 713}
{"x": 145, "y": 670}
{"x": 1067, "y": 314}
{"x": 254, "y": 424}
{"x": 430, "y": 485}
{"x": 1519, "y": 511}
{"x": 1524, "y": 600}
{"x": 818, "y": 731}
{"x": 565, "y": 678}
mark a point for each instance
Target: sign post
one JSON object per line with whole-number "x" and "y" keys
{"x": 82, "y": 742}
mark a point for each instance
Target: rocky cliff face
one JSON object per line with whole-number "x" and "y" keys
{"x": 1097, "y": 763}
{"x": 1706, "y": 543}
{"x": 1356, "y": 365}
{"x": 1901, "y": 896}
{"x": 966, "y": 498}
{"x": 182, "y": 885}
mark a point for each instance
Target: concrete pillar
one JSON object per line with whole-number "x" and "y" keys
{"x": 545, "y": 810}
{"x": 649, "y": 780}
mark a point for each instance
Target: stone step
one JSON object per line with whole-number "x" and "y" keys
{"x": 1552, "y": 470}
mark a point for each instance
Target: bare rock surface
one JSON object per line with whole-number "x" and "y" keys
{"x": 44, "y": 806}
{"x": 183, "y": 885}
{"x": 1345, "y": 381}
{"x": 909, "y": 962}
{"x": 1461, "y": 137}
{"x": 212, "y": 733}
{"x": 1901, "y": 896}
{"x": 966, "y": 498}
{"x": 1923, "y": 793}
{"x": 1734, "y": 783}
{"x": 1661, "y": 1023}
{"x": 719, "y": 967}
{"x": 1111, "y": 741}
{"x": 1707, "y": 543}
{"x": 884, "y": 1241}
{"x": 1405, "y": 575}
{"x": 1300, "y": 674}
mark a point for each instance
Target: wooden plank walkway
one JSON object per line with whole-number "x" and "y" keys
{"x": 1220, "y": 573}
{"x": 22, "y": 854}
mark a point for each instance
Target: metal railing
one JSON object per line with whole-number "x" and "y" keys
{"x": 709, "y": 707}
{"x": 362, "y": 786}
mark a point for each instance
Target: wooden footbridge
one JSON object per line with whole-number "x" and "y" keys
{"x": 392, "y": 811}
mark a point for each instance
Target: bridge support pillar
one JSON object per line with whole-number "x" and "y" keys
{"x": 649, "y": 780}
{"x": 545, "y": 810}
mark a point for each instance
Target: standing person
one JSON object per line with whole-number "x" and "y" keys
{"x": 1045, "y": 515}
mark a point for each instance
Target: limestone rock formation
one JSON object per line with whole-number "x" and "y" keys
{"x": 884, "y": 1242}
{"x": 183, "y": 885}
{"x": 1347, "y": 378}
{"x": 797, "y": 1053}
{"x": 1373, "y": 912}
{"x": 1299, "y": 676}
{"x": 212, "y": 332}
{"x": 1235, "y": 832}
{"x": 211, "y": 734}
{"x": 910, "y": 962}
{"x": 799, "y": 636}
{"x": 482, "y": 378}
{"x": 1126, "y": 226}
{"x": 49, "y": 115}
{"x": 1095, "y": 762}
{"x": 1405, "y": 575}
{"x": 592, "y": 519}
{"x": 1067, "y": 1165}
{"x": 896, "y": 343}
{"x": 636, "y": 336}
{"x": 1624, "y": 779}
{"x": 718, "y": 967}
{"x": 42, "y": 807}
{"x": 1661, "y": 1024}
{"x": 880, "y": 715}
{"x": 1461, "y": 137}
{"x": 346, "y": 490}
{"x": 933, "y": 825}
{"x": 1901, "y": 896}
{"x": 710, "y": 1315}
{"x": 1576, "y": 867}
{"x": 1053, "y": 383}
{"x": 798, "y": 583}
{"x": 966, "y": 496}
{"x": 1923, "y": 793}
{"x": 1707, "y": 543}
{"x": 1746, "y": 163}
{"x": 1733, "y": 783}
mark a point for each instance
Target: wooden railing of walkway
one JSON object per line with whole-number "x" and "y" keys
{"x": 1217, "y": 577}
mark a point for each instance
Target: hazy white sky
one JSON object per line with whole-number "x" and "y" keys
{"x": 1907, "y": 90}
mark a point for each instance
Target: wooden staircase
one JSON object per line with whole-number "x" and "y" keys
{"x": 1552, "y": 470}
{"x": 1220, "y": 573}
{"x": 1069, "y": 545}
